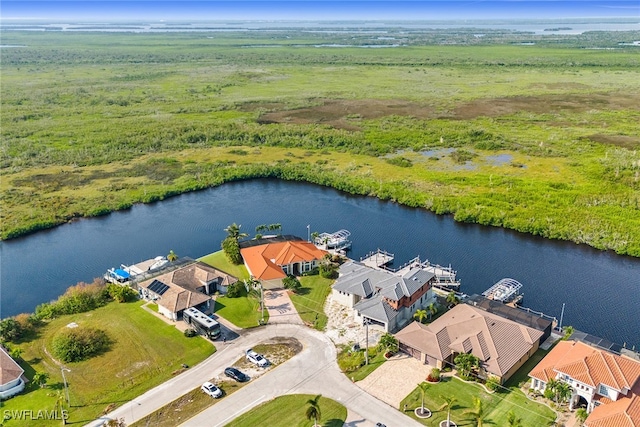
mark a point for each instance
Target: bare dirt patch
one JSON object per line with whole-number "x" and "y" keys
{"x": 277, "y": 350}
{"x": 345, "y": 113}
{"x": 544, "y": 104}
{"x": 342, "y": 113}
{"x": 618, "y": 140}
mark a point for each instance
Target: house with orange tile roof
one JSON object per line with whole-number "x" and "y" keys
{"x": 607, "y": 384}
{"x": 502, "y": 345}
{"x": 11, "y": 376}
{"x": 271, "y": 262}
{"x": 185, "y": 287}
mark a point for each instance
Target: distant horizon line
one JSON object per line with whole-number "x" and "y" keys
{"x": 79, "y": 20}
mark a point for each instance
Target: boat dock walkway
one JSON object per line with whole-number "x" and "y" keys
{"x": 377, "y": 259}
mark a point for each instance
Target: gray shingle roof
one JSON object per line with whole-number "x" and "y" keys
{"x": 373, "y": 284}
{"x": 376, "y": 308}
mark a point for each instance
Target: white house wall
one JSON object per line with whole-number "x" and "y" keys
{"x": 11, "y": 388}
{"x": 166, "y": 312}
{"x": 343, "y": 298}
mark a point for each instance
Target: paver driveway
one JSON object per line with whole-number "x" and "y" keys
{"x": 395, "y": 379}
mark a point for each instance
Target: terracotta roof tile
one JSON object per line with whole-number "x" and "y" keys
{"x": 264, "y": 261}
{"x": 624, "y": 412}
{"x": 588, "y": 365}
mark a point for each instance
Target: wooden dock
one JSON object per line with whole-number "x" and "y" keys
{"x": 377, "y": 259}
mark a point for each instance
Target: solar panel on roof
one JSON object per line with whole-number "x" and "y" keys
{"x": 158, "y": 287}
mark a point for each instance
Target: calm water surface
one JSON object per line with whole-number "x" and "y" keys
{"x": 601, "y": 290}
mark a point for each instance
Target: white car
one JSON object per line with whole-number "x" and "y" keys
{"x": 256, "y": 359}
{"x": 211, "y": 389}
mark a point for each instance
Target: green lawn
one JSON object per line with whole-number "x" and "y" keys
{"x": 244, "y": 311}
{"x": 376, "y": 359}
{"x": 220, "y": 261}
{"x": 496, "y": 405}
{"x": 145, "y": 353}
{"x": 309, "y": 300}
{"x": 289, "y": 411}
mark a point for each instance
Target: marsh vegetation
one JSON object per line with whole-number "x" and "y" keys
{"x": 93, "y": 123}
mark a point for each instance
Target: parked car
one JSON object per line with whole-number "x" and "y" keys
{"x": 256, "y": 358}
{"x": 211, "y": 389}
{"x": 236, "y": 374}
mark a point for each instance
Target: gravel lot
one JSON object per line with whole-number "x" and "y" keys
{"x": 343, "y": 329}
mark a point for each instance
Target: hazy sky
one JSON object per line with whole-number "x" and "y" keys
{"x": 156, "y": 10}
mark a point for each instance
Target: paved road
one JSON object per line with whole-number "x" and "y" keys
{"x": 312, "y": 371}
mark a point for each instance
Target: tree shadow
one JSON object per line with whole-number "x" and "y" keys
{"x": 334, "y": 422}
{"x": 303, "y": 291}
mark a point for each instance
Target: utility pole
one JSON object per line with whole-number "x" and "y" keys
{"x": 309, "y": 233}
{"x": 366, "y": 346}
{"x": 64, "y": 380}
{"x": 561, "y": 316}
{"x": 262, "y": 303}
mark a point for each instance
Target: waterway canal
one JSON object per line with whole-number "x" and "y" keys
{"x": 601, "y": 290}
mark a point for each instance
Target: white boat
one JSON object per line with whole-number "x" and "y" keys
{"x": 334, "y": 241}
{"x": 126, "y": 273}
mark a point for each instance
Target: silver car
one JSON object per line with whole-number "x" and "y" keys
{"x": 211, "y": 389}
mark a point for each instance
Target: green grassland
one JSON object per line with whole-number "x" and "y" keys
{"x": 289, "y": 410}
{"x": 137, "y": 361}
{"x": 310, "y": 298}
{"x": 496, "y": 405}
{"x": 541, "y": 139}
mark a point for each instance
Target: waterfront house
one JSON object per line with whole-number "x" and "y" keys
{"x": 606, "y": 384}
{"x": 381, "y": 297}
{"x": 271, "y": 262}
{"x": 525, "y": 317}
{"x": 189, "y": 286}
{"x": 11, "y": 376}
{"x": 502, "y": 345}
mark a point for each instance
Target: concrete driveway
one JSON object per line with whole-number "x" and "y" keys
{"x": 312, "y": 371}
{"x": 395, "y": 379}
{"x": 280, "y": 307}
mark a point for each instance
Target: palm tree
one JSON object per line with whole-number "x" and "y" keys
{"x": 452, "y": 298}
{"x": 40, "y": 378}
{"x": 420, "y": 315}
{"x": 563, "y": 392}
{"x": 274, "y": 227}
{"x": 448, "y": 405}
{"x": 313, "y": 411}
{"x": 465, "y": 362}
{"x": 477, "y": 412}
{"x": 512, "y": 420}
{"x": 432, "y": 309}
{"x": 388, "y": 343}
{"x": 61, "y": 403}
{"x": 172, "y": 256}
{"x": 423, "y": 389}
{"x": 234, "y": 231}
{"x": 581, "y": 415}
